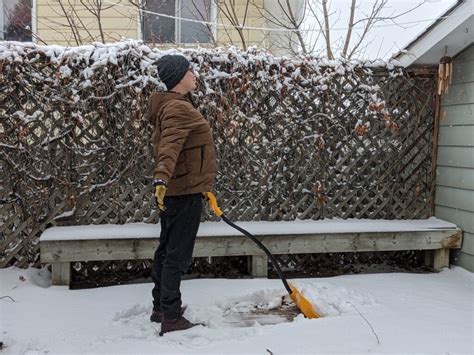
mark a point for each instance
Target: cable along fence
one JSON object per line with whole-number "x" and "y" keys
{"x": 306, "y": 138}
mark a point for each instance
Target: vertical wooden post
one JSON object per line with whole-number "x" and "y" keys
{"x": 249, "y": 264}
{"x": 441, "y": 259}
{"x": 434, "y": 155}
{"x": 259, "y": 266}
{"x": 61, "y": 274}
{"x": 429, "y": 257}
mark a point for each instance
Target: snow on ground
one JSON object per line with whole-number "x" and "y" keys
{"x": 396, "y": 313}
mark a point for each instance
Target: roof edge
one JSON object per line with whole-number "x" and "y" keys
{"x": 440, "y": 19}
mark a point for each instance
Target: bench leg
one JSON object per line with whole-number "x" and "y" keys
{"x": 61, "y": 274}
{"x": 429, "y": 257}
{"x": 440, "y": 259}
{"x": 259, "y": 266}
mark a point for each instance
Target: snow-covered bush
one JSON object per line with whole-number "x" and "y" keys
{"x": 302, "y": 138}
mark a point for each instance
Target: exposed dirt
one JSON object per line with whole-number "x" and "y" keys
{"x": 287, "y": 310}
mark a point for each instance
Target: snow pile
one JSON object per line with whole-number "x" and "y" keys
{"x": 32, "y": 277}
{"x": 330, "y": 300}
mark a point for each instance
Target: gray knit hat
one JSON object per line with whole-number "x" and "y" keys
{"x": 171, "y": 69}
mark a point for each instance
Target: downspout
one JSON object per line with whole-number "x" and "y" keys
{"x": 435, "y": 148}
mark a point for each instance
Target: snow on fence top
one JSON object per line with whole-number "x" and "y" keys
{"x": 99, "y": 54}
{"x": 81, "y": 63}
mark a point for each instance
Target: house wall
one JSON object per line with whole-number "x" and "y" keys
{"x": 283, "y": 43}
{"x": 121, "y": 21}
{"x": 53, "y": 27}
{"x": 455, "y": 163}
{"x": 228, "y": 35}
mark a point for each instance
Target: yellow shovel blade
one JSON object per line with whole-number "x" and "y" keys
{"x": 303, "y": 303}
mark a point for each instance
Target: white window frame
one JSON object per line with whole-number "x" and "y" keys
{"x": 177, "y": 29}
{"x": 34, "y": 26}
{"x": 34, "y": 21}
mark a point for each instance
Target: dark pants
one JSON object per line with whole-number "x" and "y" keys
{"x": 179, "y": 226}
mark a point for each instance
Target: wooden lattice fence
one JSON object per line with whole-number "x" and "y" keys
{"x": 308, "y": 138}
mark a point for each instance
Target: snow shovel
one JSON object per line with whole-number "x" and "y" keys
{"x": 301, "y": 302}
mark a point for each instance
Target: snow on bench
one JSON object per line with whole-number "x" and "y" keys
{"x": 62, "y": 245}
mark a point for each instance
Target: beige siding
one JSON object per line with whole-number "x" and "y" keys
{"x": 228, "y": 35}
{"x": 120, "y": 21}
{"x": 53, "y": 27}
{"x": 455, "y": 164}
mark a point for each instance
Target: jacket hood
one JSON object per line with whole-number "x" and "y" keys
{"x": 158, "y": 101}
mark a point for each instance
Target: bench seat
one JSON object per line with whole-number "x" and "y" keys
{"x": 62, "y": 245}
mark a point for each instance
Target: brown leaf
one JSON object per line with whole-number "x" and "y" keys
{"x": 394, "y": 128}
{"x": 361, "y": 129}
{"x": 376, "y": 106}
{"x": 220, "y": 117}
{"x": 418, "y": 189}
{"x": 320, "y": 142}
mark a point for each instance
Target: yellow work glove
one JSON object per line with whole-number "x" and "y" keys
{"x": 160, "y": 192}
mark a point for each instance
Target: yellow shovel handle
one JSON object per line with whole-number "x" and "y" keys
{"x": 211, "y": 198}
{"x": 301, "y": 302}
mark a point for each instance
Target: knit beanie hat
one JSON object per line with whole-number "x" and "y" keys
{"x": 171, "y": 69}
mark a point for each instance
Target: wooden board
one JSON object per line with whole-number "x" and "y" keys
{"x": 456, "y": 136}
{"x": 466, "y": 261}
{"x": 457, "y": 115}
{"x": 463, "y": 219}
{"x": 463, "y": 72}
{"x": 462, "y": 93}
{"x": 456, "y": 156}
{"x": 456, "y": 198}
{"x": 124, "y": 249}
{"x": 465, "y": 55}
{"x": 448, "y": 176}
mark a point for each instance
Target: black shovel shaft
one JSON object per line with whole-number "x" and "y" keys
{"x": 264, "y": 248}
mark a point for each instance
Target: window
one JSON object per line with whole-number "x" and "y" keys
{"x": 15, "y": 20}
{"x": 158, "y": 29}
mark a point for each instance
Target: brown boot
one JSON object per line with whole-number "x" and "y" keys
{"x": 156, "y": 316}
{"x": 172, "y": 325}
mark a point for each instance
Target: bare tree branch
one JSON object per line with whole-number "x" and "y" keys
{"x": 95, "y": 7}
{"x": 72, "y": 25}
{"x": 75, "y": 21}
{"x": 349, "y": 29}
{"x": 83, "y": 26}
{"x": 376, "y": 9}
{"x": 326, "y": 30}
{"x": 228, "y": 8}
{"x": 353, "y": 42}
{"x": 284, "y": 16}
{"x": 208, "y": 26}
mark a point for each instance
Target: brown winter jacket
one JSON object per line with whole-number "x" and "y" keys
{"x": 182, "y": 144}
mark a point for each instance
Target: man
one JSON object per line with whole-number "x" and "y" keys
{"x": 184, "y": 169}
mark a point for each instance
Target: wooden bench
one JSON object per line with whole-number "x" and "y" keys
{"x": 62, "y": 245}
